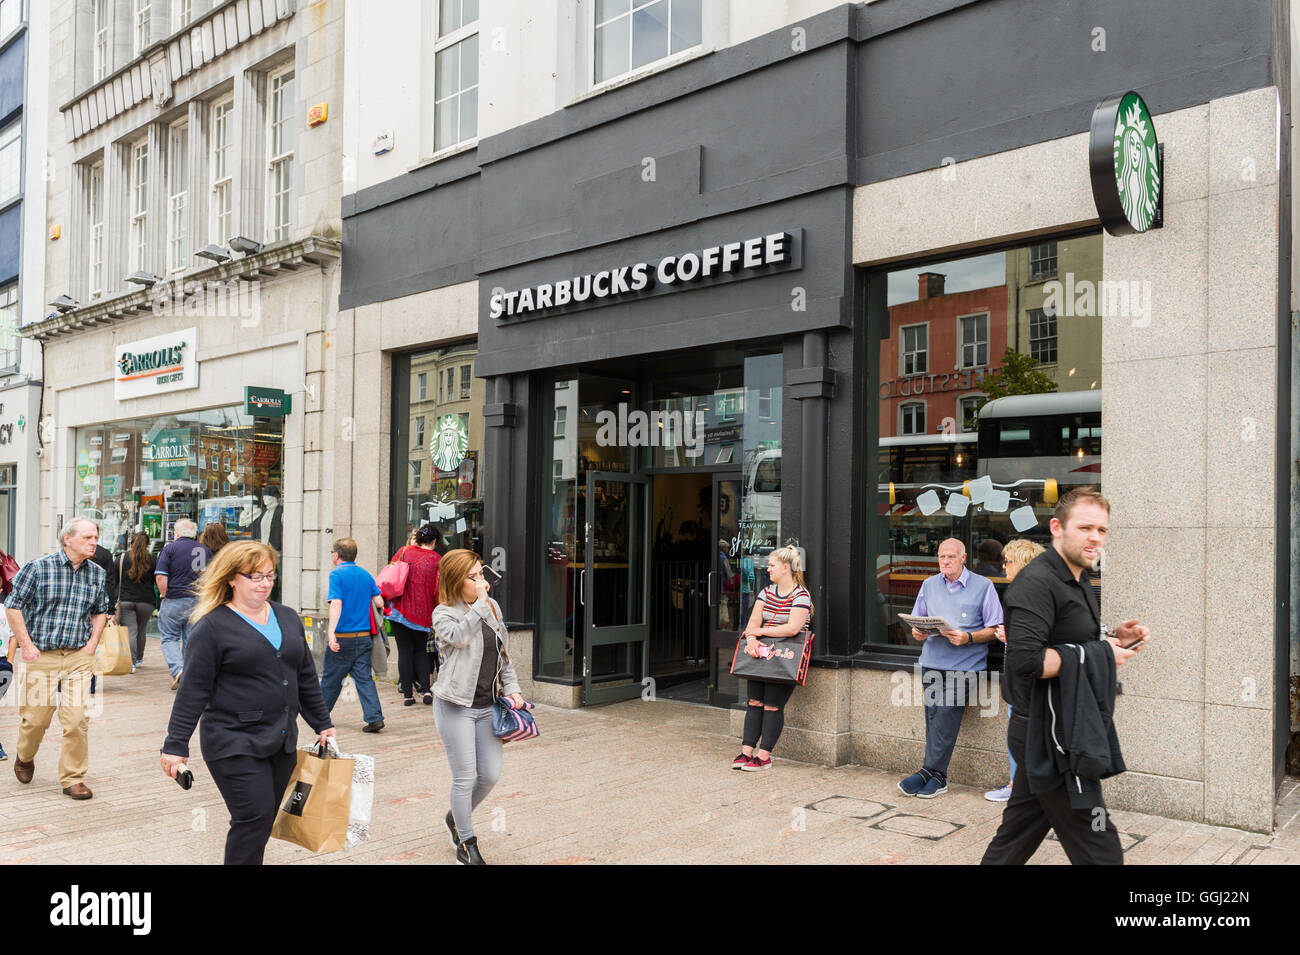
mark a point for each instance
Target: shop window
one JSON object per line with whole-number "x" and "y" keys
{"x": 1042, "y": 260}
{"x": 10, "y": 343}
{"x": 95, "y": 228}
{"x": 143, "y": 22}
{"x": 281, "y": 118}
{"x": 914, "y": 358}
{"x": 138, "y": 195}
{"x": 974, "y": 331}
{"x": 11, "y": 161}
{"x": 455, "y": 69}
{"x": 443, "y": 447}
{"x": 178, "y": 197}
{"x": 632, "y": 34}
{"x": 144, "y": 474}
{"x": 1026, "y": 430}
{"x": 11, "y": 15}
{"x": 221, "y": 171}
{"x": 911, "y": 418}
{"x": 102, "y": 55}
{"x": 1042, "y": 335}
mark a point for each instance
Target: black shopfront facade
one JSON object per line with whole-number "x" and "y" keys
{"x": 652, "y": 431}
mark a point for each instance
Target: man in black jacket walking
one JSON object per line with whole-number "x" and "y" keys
{"x": 1061, "y": 690}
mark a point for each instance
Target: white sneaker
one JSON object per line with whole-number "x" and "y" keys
{"x": 999, "y": 795}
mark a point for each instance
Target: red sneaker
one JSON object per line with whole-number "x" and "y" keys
{"x": 756, "y": 764}
{"x": 740, "y": 761}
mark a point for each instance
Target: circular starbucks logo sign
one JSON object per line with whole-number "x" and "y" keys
{"x": 450, "y": 442}
{"x": 1124, "y": 160}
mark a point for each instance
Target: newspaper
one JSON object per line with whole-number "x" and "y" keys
{"x": 930, "y": 626}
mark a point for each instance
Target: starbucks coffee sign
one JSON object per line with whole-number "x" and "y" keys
{"x": 1125, "y": 165}
{"x": 155, "y": 365}
{"x": 449, "y": 443}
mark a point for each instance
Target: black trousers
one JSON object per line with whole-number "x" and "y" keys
{"x": 1087, "y": 836}
{"x": 412, "y": 659}
{"x": 252, "y": 787}
{"x": 764, "y": 726}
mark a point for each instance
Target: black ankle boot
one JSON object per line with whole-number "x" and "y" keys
{"x": 467, "y": 852}
{"x": 451, "y": 828}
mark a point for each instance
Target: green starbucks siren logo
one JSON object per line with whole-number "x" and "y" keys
{"x": 1124, "y": 161}
{"x": 450, "y": 442}
{"x": 1137, "y": 162}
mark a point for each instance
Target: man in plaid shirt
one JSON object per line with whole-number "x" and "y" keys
{"x": 57, "y": 610}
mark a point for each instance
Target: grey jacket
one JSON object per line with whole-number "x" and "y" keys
{"x": 458, "y": 630}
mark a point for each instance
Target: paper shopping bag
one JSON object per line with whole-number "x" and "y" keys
{"x": 113, "y": 652}
{"x": 314, "y": 810}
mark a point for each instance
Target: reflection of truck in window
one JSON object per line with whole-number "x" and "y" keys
{"x": 760, "y": 499}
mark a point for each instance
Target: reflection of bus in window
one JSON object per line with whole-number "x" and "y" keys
{"x": 1054, "y": 436}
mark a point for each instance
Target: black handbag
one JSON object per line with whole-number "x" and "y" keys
{"x": 786, "y": 660}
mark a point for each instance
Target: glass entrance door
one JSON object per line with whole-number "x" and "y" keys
{"x": 725, "y": 608}
{"x": 614, "y": 587}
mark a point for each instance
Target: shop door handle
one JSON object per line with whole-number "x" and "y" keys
{"x": 582, "y": 587}
{"x": 713, "y": 588}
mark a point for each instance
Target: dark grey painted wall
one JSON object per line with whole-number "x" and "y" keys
{"x": 876, "y": 92}
{"x": 985, "y": 77}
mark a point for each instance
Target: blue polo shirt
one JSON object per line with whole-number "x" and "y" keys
{"x": 181, "y": 562}
{"x": 971, "y": 603}
{"x": 355, "y": 587}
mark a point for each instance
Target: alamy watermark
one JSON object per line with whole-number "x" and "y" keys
{"x": 947, "y": 688}
{"x": 651, "y": 429}
{"x": 1108, "y": 298}
{"x": 235, "y": 299}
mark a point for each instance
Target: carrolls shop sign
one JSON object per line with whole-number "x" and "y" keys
{"x": 158, "y": 364}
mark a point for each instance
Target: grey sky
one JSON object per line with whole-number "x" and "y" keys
{"x": 962, "y": 275}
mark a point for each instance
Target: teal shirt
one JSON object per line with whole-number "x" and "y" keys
{"x": 270, "y": 629}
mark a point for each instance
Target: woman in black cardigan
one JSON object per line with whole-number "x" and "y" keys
{"x": 248, "y": 672}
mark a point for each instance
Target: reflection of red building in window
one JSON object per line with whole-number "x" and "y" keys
{"x": 939, "y": 348}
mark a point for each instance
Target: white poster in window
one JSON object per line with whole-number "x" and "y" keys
{"x": 461, "y": 526}
{"x": 997, "y": 501}
{"x": 118, "y": 456}
{"x": 928, "y": 502}
{"x": 980, "y": 489}
{"x": 1024, "y": 518}
{"x": 958, "y": 504}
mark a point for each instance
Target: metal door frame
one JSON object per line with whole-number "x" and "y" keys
{"x": 605, "y": 636}
{"x": 721, "y": 639}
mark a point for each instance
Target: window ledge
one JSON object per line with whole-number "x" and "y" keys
{"x": 658, "y": 66}
{"x": 445, "y": 153}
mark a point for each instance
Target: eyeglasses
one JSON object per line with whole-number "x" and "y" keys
{"x": 258, "y": 578}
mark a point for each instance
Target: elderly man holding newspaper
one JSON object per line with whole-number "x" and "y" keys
{"x": 951, "y": 653}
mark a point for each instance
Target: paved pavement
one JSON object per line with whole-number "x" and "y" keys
{"x": 628, "y": 783}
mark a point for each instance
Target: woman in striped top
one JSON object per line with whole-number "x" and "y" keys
{"x": 783, "y": 609}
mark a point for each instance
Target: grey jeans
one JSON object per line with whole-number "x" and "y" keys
{"x": 474, "y": 755}
{"x": 135, "y": 617}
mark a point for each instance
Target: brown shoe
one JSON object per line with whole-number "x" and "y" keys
{"x": 23, "y": 770}
{"x": 78, "y": 791}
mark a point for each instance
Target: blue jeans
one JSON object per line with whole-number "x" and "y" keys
{"x": 174, "y": 629}
{"x": 353, "y": 657}
{"x": 945, "y": 704}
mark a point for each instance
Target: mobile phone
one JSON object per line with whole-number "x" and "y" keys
{"x": 1132, "y": 646}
